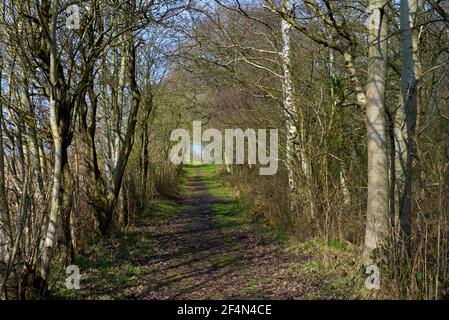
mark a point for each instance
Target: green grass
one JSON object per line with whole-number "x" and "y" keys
{"x": 160, "y": 209}
{"x": 335, "y": 267}
{"x": 114, "y": 263}
{"x": 109, "y": 266}
{"x": 230, "y": 214}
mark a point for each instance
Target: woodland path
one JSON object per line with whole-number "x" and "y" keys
{"x": 183, "y": 253}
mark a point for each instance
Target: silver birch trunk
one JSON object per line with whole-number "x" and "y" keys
{"x": 291, "y": 116}
{"x": 118, "y": 112}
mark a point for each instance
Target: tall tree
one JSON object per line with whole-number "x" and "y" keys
{"x": 291, "y": 116}
{"x": 5, "y": 224}
{"x": 105, "y": 191}
{"x": 4, "y": 215}
{"x": 377, "y": 222}
{"x": 405, "y": 123}
{"x": 55, "y": 115}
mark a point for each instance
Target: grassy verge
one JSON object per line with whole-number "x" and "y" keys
{"x": 112, "y": 265}
{"x": 335, "y": 268}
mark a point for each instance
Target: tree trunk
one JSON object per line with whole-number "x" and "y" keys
{"x": 55, "y": 209}
{"x": 20, "y": 225}
{"x": 377, "y": 222}
{"x": 291, "y": 116}
{"x": 105, "y": 196}
{"x": 4, "y": 214}
{"x": 405, "y": 123}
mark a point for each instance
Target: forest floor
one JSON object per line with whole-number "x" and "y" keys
{"x": 201, "y": 246}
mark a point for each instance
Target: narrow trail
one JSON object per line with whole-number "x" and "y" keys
{"x": 200, "y": 261}
{"x": 187, "y": 255}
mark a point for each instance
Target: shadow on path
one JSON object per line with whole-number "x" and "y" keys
{"x": 197, "y": 260}
{"x": 186, "y": 255}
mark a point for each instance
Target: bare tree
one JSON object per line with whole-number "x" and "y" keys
{"x": 293, "y": 141}
{"x": 55, "y": 118}
{"x": 406, "y": 114}
{"x": 377, "y": 222}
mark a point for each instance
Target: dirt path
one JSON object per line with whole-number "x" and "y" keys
{"x": 187, "y": 255}
{"x": 200, "y": 261}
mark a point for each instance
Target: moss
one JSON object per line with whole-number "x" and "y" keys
{"x": 160, "y": 209}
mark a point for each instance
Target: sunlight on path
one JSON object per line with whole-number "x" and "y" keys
{"x": 195, "y": 247}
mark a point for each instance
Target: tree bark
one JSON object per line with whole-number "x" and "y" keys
{"x": 291, "y": 116}
{"x": 104, "y": 197}
{"x": 405, "y": 123}
{"x": 55, "y": 207}
{"x": 377, "y": 222}
{"x": 20, "y": 225}
{"x": 4, "y": 214}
